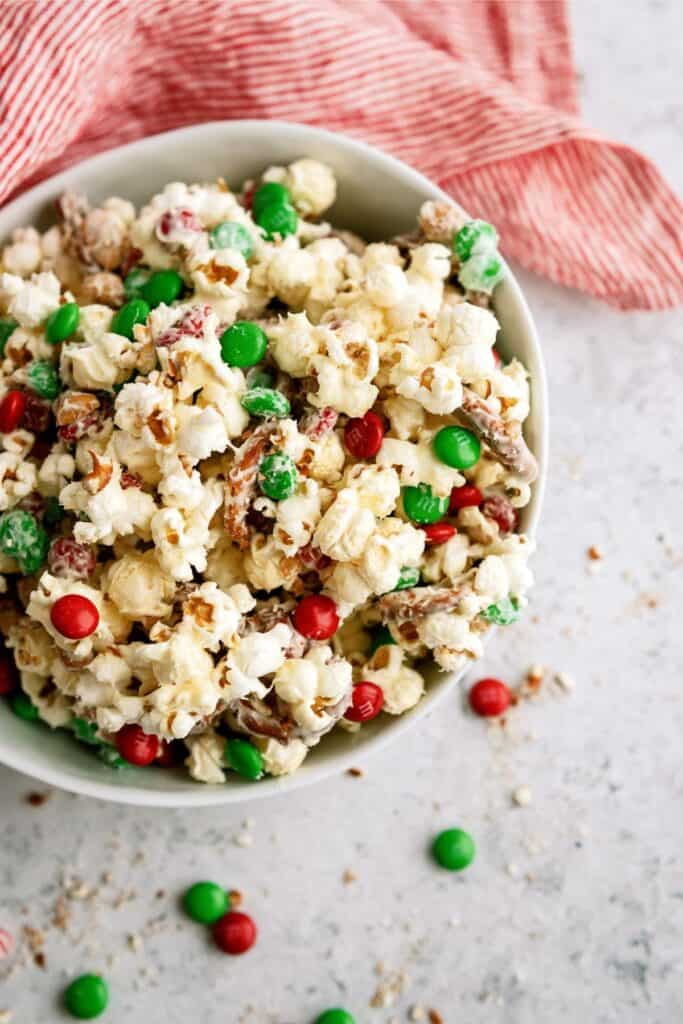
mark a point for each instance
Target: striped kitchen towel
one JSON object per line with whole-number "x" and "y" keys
{"x": 480, "y": 96}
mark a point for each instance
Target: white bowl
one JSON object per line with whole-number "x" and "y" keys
{"x": 378, "y": 197}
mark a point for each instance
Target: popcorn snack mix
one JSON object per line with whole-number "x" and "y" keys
{"x": 253, "y": 470}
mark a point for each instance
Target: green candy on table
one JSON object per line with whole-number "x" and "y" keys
{"x": 6, "y": 328}
{"x": 230, "y": 235}
{"x": 265, "y": 402}
{"x": 335, "y": 1016}
{"x": 134, "y": 312}
{"x": 61, "y": 324}
{"x": 270, "y": 193}
{"x": 23, "y": 707}
{"x": 206, "y": 902}
{"x": 481, "y": 272}
{"x": 278, "y": 476}
{"x": 453, "y": 849}
{"x": 503, "y": 613}
{"x": 409, "y": 578}
{"x": 381, "y": 637}
{"x": 456, "y": 447}
{"x": 24, "y": 539}
{"x": 243, "y": 344}
{"x": 87, "y": 997}
{"x": 421, "y": 506}
{"x": 244, "y": 758}
{"x": 474, "y": 237}
{"x": 163, "y": 286}
{"x": 42, "y": 377}
{"x": 278, "y": 220}
{"x": 134, "y": 282}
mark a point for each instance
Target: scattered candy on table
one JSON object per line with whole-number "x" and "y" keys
{"x": 206, "y": 902}
{"x": 467, "y": 496}
{"x": 230, "y": 235}
{"x": 457, "y": 447}
{"x": 162, "y": 286}
{"x": 503, "y": 613}
{"x": 278, "y": 476}
{"x": 61, "y": 324}
{"x": 234, "y": 933}
{"x": 453, "y": 849}
{"x": 439, "y": 533}
{"x": 23, "y": 707}
{"x": 409, "y": 577}
{"x": 12, "y": 409}
{"x": 260, "y": 401}
{"x": 42, "y": 377}
{"x": 335, "y": 1016}
{"x": 134, "y": 312}
{"x": 87, "y": 997}
{"x": 489, "y": 698}
{"x": 421, "y": 506}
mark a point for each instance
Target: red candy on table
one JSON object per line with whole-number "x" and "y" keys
{"x": 467, "y": 496}
{"x": 74, "y": 616}
{"x": 363, "y": 435}
{"x": 439, "y": 533}
{"x": 499, "y": 509}
{"x": 9, "y": 677}
{"x": 12, "y": 409}
{"x": 136, "y": 746}
{"x": 367, "y": 700}
{"x": 489, "y": 698}
{"x": 234, "y": 933}
{"x": 316, "y": 617}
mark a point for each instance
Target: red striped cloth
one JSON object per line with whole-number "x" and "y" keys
{"x": 477, "y": 94}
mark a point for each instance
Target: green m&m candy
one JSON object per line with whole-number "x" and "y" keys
{"x": 409, "y": 578}
{"x": 163, "y": 286}
{"x": 61, "y": 324}
{"x": 265, "y": 402}
{"x": 135, "y": 281}
{"x": 244, "y": 758}
{"x": 481, "y": 272}
{"x": 110, "y": 756}
{"x": 85, "y": 731}
{"x": 335, "y": 1016}
{"x": 503, "y": 613}
{"x": 23, "y": 707}
{"x": 453, "y": 849}
{"x": 134, "y": 312}
{"x": 6, "y": 328}
{"x": 456, "y": 447}
{"x": 87, "y": 997}
{"x": 278, "y": 220}
{"x": 42, "y": 377}
{"x": 421, "y": 506}
{"x": 474, "y": 237}
{"x": 230, "y": 235}
{"x": 380, "y": 638}
{"x": 243, "y": 344}
{"x": 278, "y": 476}
{"x": 206, "y": 902}
{"x": 22, "y": 538}
{"x": 270, "y": 193}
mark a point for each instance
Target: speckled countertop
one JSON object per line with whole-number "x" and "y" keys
{"x": 573, "y": 909}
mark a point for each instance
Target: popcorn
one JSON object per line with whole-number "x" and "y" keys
{"x": 158, "y": 468}
{"x": 30, "y": 302}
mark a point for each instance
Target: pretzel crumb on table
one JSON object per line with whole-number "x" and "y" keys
{"x": 249, "y": 461}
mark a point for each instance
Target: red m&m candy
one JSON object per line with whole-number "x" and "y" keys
{"x": 439, "y": 533}
{"x": 367, "y": 700}
{"x": 9, "y": 677}
{"x": 74, "y": 616}
{"x": 12, "y": 409}
{"x": 234, "y": 933}
{"x": 363, "y": 435}
{"x": 316, "y": 617}
{"x": 136, "y": 746}
{"x": 489, "y": 697}
{"x": 467, "y": 496}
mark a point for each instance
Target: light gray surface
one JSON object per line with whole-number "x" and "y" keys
{"x": 573, "y": 909}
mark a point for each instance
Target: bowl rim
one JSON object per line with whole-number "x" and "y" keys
{"x": 211, "y": 796}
